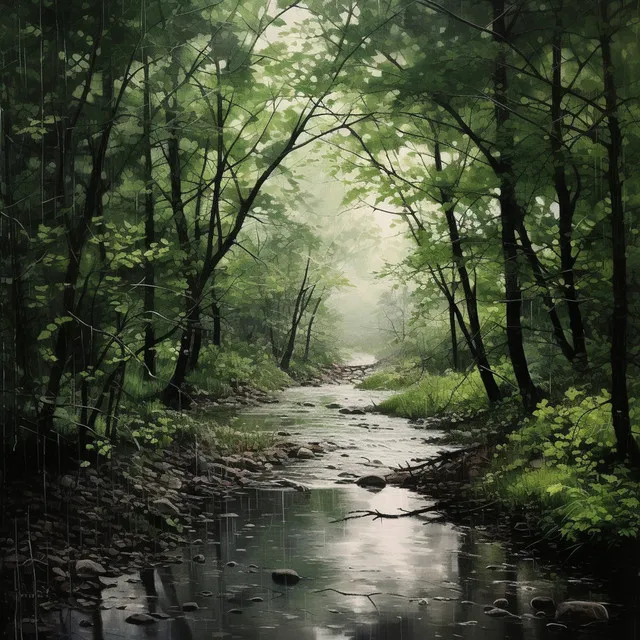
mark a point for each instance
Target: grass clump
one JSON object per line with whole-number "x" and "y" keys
{"x": 436, "y": 394}
{"x": 389, "y": 379}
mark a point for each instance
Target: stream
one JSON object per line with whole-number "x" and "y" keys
{"x": 405, "y": 579}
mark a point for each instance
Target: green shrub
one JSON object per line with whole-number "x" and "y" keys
{"x": 561, "y": 461}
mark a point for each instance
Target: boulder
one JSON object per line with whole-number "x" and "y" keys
{"x": 334, "y": 405}
{"x": 287, "y": 577}
{"x": 165, "y": 506}
{"x": 305, "y": 454}
{"x": 190, "y": 606}
{"x": 501, "y": 603}
{"x": 199, "y": 558}
{"x": 372, "y": 481}
{"x": 171, "y": 482}
{"x": 88, "y": 568}
{"x": 581, "y": 612}
{"x": 543, "y": 603}
{"x": 140, "y": 618}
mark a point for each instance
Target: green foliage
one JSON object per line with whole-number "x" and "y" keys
{"x": 560, "y": 461}
{"x": 220, "y": 371}
{"x": 433, "y": 395}
{"x": 392, "y": 380}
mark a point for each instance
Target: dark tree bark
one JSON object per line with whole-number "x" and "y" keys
{"x": 566, "y": 204}
{"x": 307, "y": 342}
{"x": 298, "y": 310}
{"x": 216, "y": 315}
{"x": 475, "y": 340}
{"x": 455, "y": 360}
{"x": 149, "y": 228}
{"x": 173, "y": 392}
{"x": 509, "y": 214}
{"x": 627, "y": 445}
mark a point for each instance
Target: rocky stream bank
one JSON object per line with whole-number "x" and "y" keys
{"x": 67, "y": 534}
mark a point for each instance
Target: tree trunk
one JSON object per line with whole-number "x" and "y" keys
{"x": 149, "y": 229}
{"x": 217, "y": 321}
{"x": 566, "y": 205}
{"x": 172, "y": 394}
{"x": 475, "y": 340}
{"x": 547, "y": 299}
{"x": 509, "y": 214}
{"x": 627, "y": 445}
{"x": 452, "y": 329}
{"x": 285, "y": 362}
{"x": 307, "y": 342}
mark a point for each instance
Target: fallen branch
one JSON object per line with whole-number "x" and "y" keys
{"x": 357, "y": 595}
{"x": 378, "y": 515}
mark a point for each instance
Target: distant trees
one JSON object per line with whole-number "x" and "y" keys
{"x": 518, "y": 114}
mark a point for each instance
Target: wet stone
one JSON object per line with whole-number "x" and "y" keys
{"x": 190, "y": 606}
{"x": 140, "y": 619}
{"x": 287, "y": 577}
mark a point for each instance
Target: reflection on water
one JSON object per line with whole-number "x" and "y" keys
{"x": 402, "y": 579}
{"x": 424, "y": 579}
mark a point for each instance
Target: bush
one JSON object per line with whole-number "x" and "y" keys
{"x": 561, "y": 461}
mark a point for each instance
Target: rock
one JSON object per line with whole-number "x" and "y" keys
{"x": 89, "y": 568}
{"x": 581, "y": 612}
{"x": 170, "y": 481}
{"x": 423, "y": 602}
{"x": 333, "y": 405}
{"x": 372, "y": 481}
{"x": 199, "y": 558}
{"x": 398, "y": 477}
{"x": 236, "y": 611}
{"x": 257, "y": 599}
{"x": 501, "y": 603}
{"x": 284, "y": 434}
{"x": 190, "y": 606}
{"x": 497, "y": 612}
{"x": 305, "y": 454}
{"x": 163, "y": 505}
{"x": 543, "y": 603}
{"x": 308, "y": 404}
{"x": 287, "y": 577}
{"x": 140, "y": 618}
{"x": 556, "y": 626}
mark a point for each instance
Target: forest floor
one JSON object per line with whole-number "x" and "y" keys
{"x": 66, "y": 534}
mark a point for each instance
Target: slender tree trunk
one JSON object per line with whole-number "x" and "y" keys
{"x": 285, "y": 362}
{"x": 566, "y": 205}
{"x": 196, "y": 343}
{"x": 509, "y": 214}
{"x": 626, "y": 444}
{"x": 172, "y": 394}
{"x": 475, "y": 340}
{"x": 547, "y": 299}
{"x": 217, "y": 320}
{"x": 307, "y": 342}
{"x": 453, "y": 331}
{"x": 149, "y": 229}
